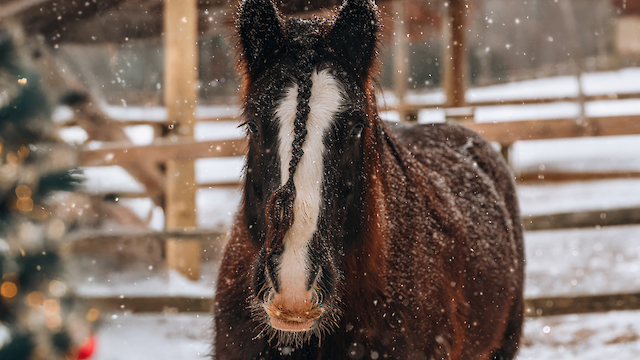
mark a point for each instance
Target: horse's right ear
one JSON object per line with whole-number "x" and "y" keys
{"x": 354, "y": 34}
{"x": 260, "y": 28}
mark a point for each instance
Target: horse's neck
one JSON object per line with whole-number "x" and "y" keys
{"x": 405, "y": 181}
{"x": 395, "y": 159}
{"x": 387, "y": 160}
{"x": 392, "y": 146}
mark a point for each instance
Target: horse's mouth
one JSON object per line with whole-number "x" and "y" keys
{"x": 288, "y": 325}
{"x": 294, "y": 321}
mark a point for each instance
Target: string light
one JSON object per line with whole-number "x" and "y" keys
{"x": 93, "y": 315}
{"x": 35, "y": 299}
{"x": 8, "y": 289}
{"x": 24, "y": 202}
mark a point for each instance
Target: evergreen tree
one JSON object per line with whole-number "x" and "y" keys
{"x": 38, "y": 318}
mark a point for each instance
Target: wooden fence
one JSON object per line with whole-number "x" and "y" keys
{"x": 144, "y": 163}
{"x": 504, "y": 133}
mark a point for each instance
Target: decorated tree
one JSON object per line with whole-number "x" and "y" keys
{"x": 38, "y": 316}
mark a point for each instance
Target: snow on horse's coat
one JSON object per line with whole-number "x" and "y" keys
{"x": 356, "y": 238}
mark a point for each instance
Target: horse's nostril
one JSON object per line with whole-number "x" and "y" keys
{"x": 264, "y": 285}
{"x": 267, "y": 276}
{"x": 271, "y": 280}
{"x": 268, "y": 296}
{"x": 316, "y": 288}
{"x": 316, "y": 298}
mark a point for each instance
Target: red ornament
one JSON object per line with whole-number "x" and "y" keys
{"x": 87, "y": 348}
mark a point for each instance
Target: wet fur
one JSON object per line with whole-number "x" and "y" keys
{"x": 424, "y": 260}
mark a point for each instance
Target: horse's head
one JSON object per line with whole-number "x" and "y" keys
{"x": 309, "y": 112}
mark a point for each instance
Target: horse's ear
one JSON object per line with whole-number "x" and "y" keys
{"x": 354, "y": 34}
{"x": 260, "y": 28}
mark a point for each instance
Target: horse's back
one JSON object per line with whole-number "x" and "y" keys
{"x": 437, "y": 145}
{"x": 473, "y": 227}
{"x": 474, "y": 179}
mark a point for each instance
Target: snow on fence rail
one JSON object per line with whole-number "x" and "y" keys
{"x": 99, "y": 242}
{"x": 504, "y": 133}
{"x": 161, "y": 151}
{"x": 507, "y": 133}
{"x": 420, "y": 104}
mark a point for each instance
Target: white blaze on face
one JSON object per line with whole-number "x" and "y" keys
{"x": 326, "y": 99}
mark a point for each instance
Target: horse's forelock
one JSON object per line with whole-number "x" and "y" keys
{"x": 279, "y": 211}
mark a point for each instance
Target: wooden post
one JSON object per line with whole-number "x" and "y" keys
{"x": 566, "y": 6}
{"x": 401, "y": 57}
{"x": 180, "y": 98}
{"x": 455, "y": 59}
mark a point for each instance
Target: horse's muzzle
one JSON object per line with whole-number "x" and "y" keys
{"x": 293, "y": 313}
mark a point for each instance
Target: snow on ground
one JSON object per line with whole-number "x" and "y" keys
{"x": 210, "y": 130}
{"x": 556, "y": 198}
{"x": 219, "y": 169}
{"x": 590, "y": 154}
{"x": 124, "y": 336}
{"x": 73, "y": 135}
{"x": 109, "y": 179}
{"x": 576, "y": 262}
{"x": 148, "y": 113}
{"x": 103, "y": 275}
{"x": 614, "y": 335}
{"x": 132, "y": 284}
{"x": 216, "y": 207}
{"x": 557, "y": 110}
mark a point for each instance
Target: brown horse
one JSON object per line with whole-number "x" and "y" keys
{"x": 358, "y": 239}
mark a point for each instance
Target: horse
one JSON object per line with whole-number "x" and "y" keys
{"x": 356, "y": 238}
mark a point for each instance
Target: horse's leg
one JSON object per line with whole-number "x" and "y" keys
{"x": 512, "y": 334}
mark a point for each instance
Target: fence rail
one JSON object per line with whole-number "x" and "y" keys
{"x": 504, "y": 133}
{"x": 534, "y": 307}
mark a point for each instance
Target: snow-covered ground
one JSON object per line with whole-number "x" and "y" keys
{"x": 151, "y": 282}
{"x": 559, "y": 263}
{"x": 124, "y": 336}
{"x": 575, "y": 262}
{"x": 558, "y": 198}
{"x": 614, "y": 335}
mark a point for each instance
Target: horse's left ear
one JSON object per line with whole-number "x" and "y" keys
{"x": 354, "y": 34}
{"x": 260, "y": 28}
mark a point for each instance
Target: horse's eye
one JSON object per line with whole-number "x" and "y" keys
{"x": 356, "y": 133}
{"x": 253, "y": 128}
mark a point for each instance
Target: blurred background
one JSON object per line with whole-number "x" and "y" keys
{"x": 143, "y": 97}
